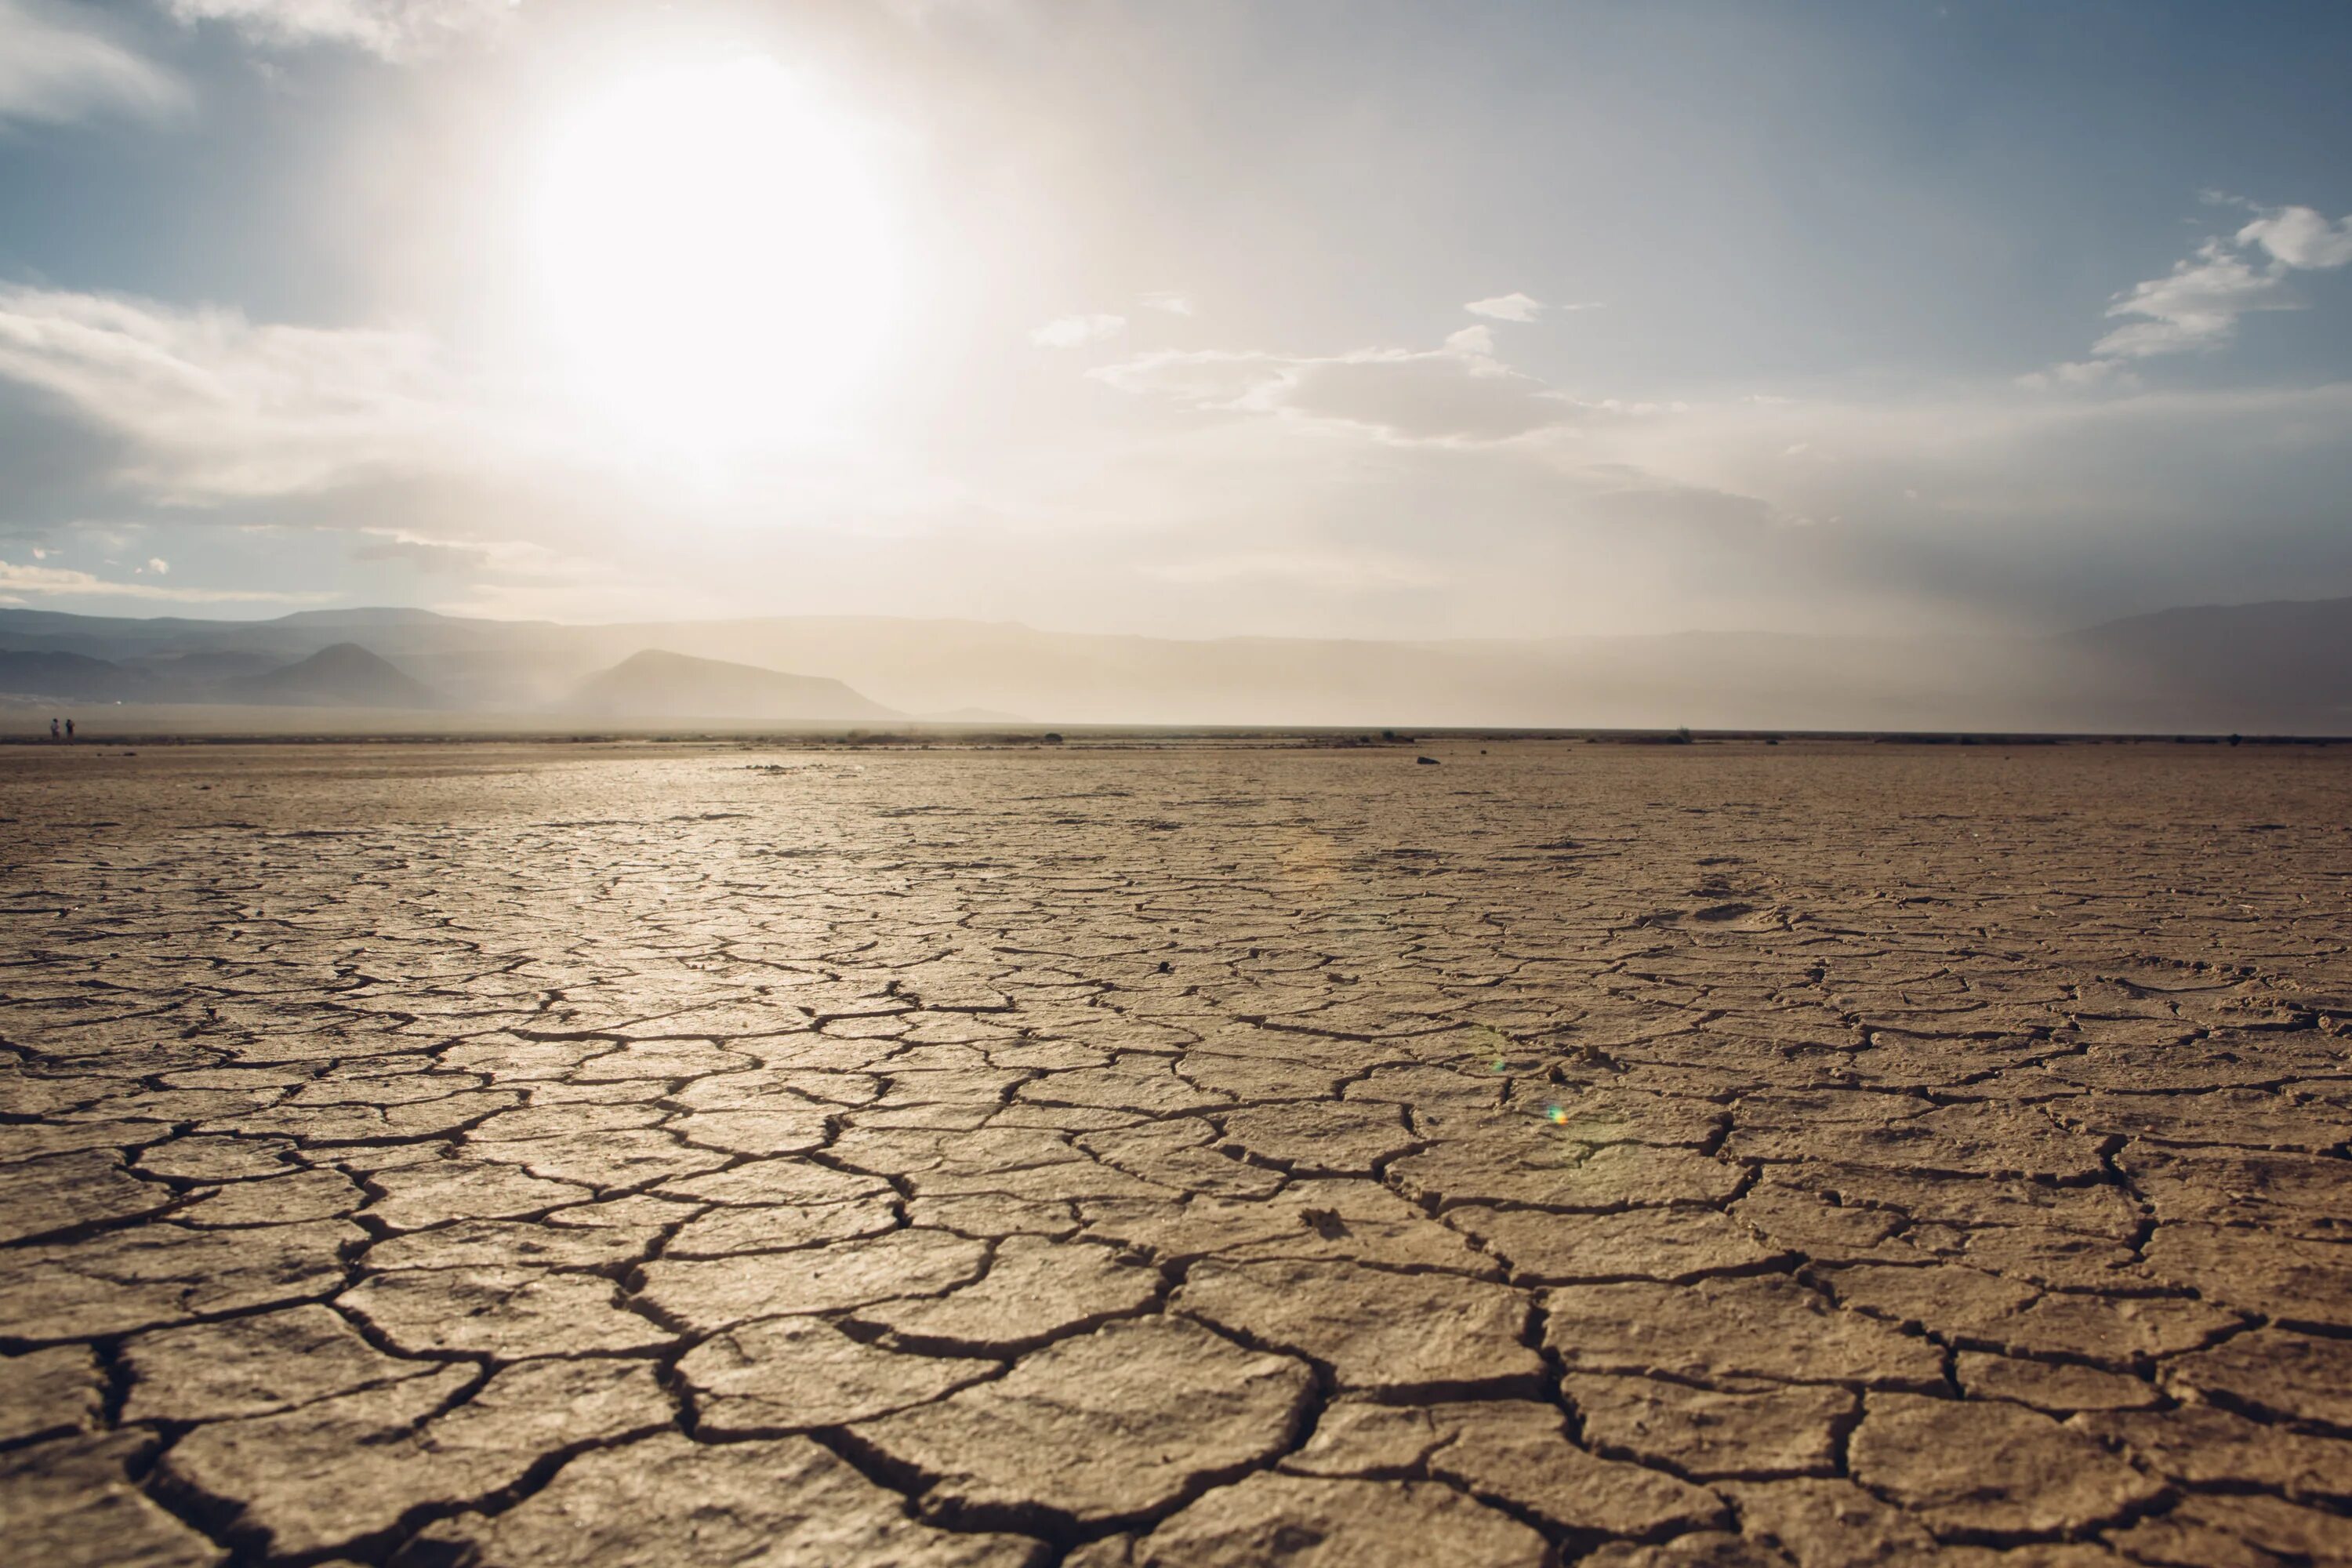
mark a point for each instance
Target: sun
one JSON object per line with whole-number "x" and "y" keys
{"x": 714, "y": 260}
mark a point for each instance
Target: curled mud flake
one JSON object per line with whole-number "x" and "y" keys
{"x": 792, "y": 1374}
{"x": 48, "y": 1393}
{"x": 1517, "y": 1453}
{"x": 505, "y": 1312}
{"x": 2271, "y": 1373}
{"x": 1968, "y": 1467}
{"x": 731, "y": 1230}
{"x": 1420, "y": 1334}
{"x": 1769, "y": 1326}
{"x": 253, "y": 1365}
{"x": 2281, "y": 1277}
{"x": 1112, "y": 1427}
{"x": 1672, "y": 1245}
{"x": 287, "y": 1484}
{"x": 62, "y": 1193}
{"x": 1757, "y": 1431}
{"x": 786, "y": 1500}
{"x": 1035, "y": 1290}
{"x": 2057, "y": 1388}
{"x": 712, "y": 1294}
{"x": 1303, "y": 1523}
{"x": 71, "y": 1501}
{"x": 160, "y": 1274}
{"x": 2256, "y": 1530}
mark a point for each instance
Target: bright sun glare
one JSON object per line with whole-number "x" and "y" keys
{"x": 714, "y": 256}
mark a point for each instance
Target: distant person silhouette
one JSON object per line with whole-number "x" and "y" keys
{"x": 53, "y": 728}
{"x": 69, "y": 728}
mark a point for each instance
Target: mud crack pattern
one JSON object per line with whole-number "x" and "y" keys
{"x": 1130, "y": 1158}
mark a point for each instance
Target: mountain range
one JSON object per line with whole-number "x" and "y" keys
{"x": 2281, "y": 667}
{"x": 659, "y": 683}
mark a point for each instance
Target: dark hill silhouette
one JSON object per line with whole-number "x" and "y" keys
{"x": 341, "y": 675}
{"x": 2284, "y": 665}
{"x": 2259, "y": 668}
{"x": 658, "y": 684}
{"x": 75, "y": 676}
{"x": 200, "y": 671}
{"x": 379, "y": 615}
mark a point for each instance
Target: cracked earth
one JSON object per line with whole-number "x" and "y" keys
{"x": 1144, "y": 1158}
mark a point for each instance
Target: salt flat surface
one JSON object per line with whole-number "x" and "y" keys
{"x": 1713, "y": 1154}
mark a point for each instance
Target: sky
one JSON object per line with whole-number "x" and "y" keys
{"x": 1353, "y": 317}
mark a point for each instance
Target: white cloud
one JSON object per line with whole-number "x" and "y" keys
{"x": 2080, "y": 373}
{"x": 65, "y": 582}
{"x": 1513, "y": 307}
{"x": 1196, "y": 378}
{"x": 2300, "y": 237}
{"x": 1169, "y": 304}
{"x": 214, "y": 406}
{"x": 2041, "y": 510}
{"x": 2197, "y": 305}
{"x": 393, "y": 29}
{"x": 1457, "y": 393}
{"x": 158, "y": 565}
{"x": 54, "y": 71}
{"x": 1078, "y": 331}
{"x": 1355, "y": 569}
{"x": 427, "y": 555}
{"x": 1449, "y": 396}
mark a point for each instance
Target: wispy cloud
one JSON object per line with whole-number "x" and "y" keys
{"x": 55, "y": 68}
{"x": 60, "y": 582}
{"x": 2081, "y": 373}
{"x": 393, "y": 29}
{"x": 1512, "y": 307}
{"x": 2198, "y": 304}
{"x": 1459, "y": 393}
{"x": 1169, "y": 304}
{"x": 1632, "y": 510}
{"x": 1078, "y": 331}
{"x": 1324, "y": 568}
{"x": 427, "y": 555}
{"x": 2195, "y": 306}
{"x": 214, "y": 406}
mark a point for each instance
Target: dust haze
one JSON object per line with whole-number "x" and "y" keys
{"x": 2283, "y": 669}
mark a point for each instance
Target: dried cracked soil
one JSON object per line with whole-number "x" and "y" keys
{"x": 1123, "y": 1157}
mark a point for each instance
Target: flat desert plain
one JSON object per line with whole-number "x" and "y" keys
{"x": 1730, "y": 1155}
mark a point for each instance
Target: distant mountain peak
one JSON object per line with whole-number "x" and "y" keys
{"x": 654, "y": 683}
{"x": 2277, "y": 668}
{"x": 362, "y": 616}
{"x": 342, "y": 675}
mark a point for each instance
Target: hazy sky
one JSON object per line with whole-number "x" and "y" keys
{"x": 1189, "y": 318}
